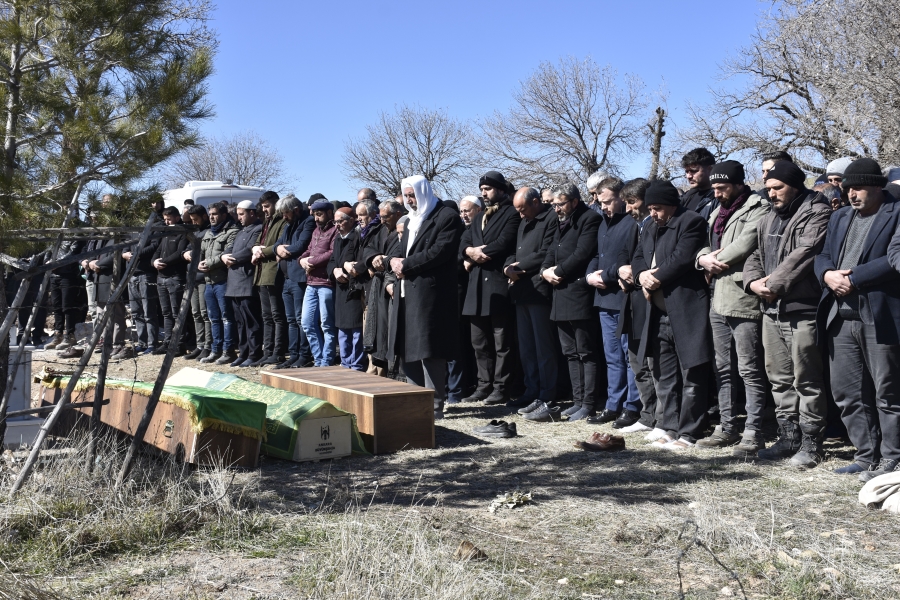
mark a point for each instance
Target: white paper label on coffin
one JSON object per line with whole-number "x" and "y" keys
{"x": 323, "y": 438}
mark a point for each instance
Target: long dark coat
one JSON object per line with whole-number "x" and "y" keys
{"x": 375, "y": 332}
{"x": 533, "y": 239}
{"x": 634, "y": 307}
{"x": 488, "y": 291}
{"x": 571, "y": 252}
{"x": 877, "y": 283}
{"x": 241, "y": 273}
{"x": 425, "y": 324}
{"x": 348, "y": 297}
{"x": 614, "y": 235}
{"x": 684, "y": 287}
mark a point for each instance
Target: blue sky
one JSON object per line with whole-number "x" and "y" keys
{"x": 308, "y": 75}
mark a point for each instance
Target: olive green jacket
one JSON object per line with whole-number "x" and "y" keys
{"x": 211, "y": 249}
{"x": 267, "y": 271}
{"x": 738, "y": 241}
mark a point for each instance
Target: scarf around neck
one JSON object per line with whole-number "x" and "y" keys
{"x": 726, "y": 213}
{"x": 372, "y": 223}
{"x": 217, "y": 228}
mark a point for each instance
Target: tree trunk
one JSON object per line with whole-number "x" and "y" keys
{"x": 658, "y": 132}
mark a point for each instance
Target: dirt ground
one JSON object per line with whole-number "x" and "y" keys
{"x": 643, "y": 523}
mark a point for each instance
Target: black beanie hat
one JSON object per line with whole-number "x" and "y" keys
{"x": 662, "y": 192}
{"x": 727, "y": 171}
{"x": 788, "y": 173}
{"x": 315, "y": 197}
{"x": 495, "y": 179}
{"x": 863, "y": 171}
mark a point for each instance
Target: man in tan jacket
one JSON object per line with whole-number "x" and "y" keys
{"x": 734, "y": 314}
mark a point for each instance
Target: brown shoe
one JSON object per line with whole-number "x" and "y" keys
{"x": 602, "y": 442}
{"x": 71, "y": 352}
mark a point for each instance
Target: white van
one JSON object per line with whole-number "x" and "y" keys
{"x": 204, "y": 193}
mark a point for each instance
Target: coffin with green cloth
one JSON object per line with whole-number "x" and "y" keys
{"x": 207, "y": 416}
{"x": 298, "y": 427}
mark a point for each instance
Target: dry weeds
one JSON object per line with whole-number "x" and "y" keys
{"x": 600, "y": 526}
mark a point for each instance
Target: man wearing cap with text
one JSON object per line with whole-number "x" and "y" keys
{"x": 734, "y": 315}
{"x": 780, "y": 272}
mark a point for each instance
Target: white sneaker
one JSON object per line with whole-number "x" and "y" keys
{"x": 679, "y": 445}
{"x": 637, "y": 427}
{"x": 655, "y": 434}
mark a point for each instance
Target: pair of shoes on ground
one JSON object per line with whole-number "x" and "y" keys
{"x": 602, "y": 442}
{"x": 497, "y": 429}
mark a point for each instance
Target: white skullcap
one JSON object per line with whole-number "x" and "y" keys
{"x": 247, "y": 204}
{"x": 474, "y": 200}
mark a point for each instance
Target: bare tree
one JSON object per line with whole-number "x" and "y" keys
{"x": 412, "y": 141}
{"x": 244, "y": 158}
{"x": 819, "y": 92}
{"x": 567, "y": 121}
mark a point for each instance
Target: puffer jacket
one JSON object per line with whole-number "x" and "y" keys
{"x": 738, "y": 242}
{"x": 211, "y": 249}
{"x": 793, "y": 280}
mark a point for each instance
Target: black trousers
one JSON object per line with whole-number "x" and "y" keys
{"x": 491, "y": 340}
{"x": 865, "y": 387}
{"x": 651, "y": 409}
{"x": 171, "y": 293}
{"x": 69, "y": 301}
{"x": 275, "y": 325}
{"x": 248, "y": 326}
{"x": 682, "y": 391}
{"x": 578, "y": 340}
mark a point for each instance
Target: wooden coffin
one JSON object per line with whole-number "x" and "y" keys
{"x": 391, "y": 415}
{"x": 170, "y": 429}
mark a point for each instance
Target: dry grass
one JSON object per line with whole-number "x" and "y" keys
{"x": 600, "y": 526}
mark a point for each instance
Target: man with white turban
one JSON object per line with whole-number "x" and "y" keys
{"x": 425, "y": 314}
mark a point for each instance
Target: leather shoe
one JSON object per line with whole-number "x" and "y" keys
{"x": 283, "y": 365}
{"x": 496, "y": 398}
{"x": 497, "y": 429}
{"x": 210, "y": 358}
{"x": 604, "y": 417}
{"x": 259, "y": 362}
{"x": 300, "y": 364}
{"x": 627, "y": 419}
{"x": 602, "y": 442}
{"x": 194, "y": 354}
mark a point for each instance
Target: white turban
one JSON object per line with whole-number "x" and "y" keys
{"x": 425, "y": 203}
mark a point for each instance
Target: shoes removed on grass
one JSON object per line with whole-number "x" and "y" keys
{"x": 602, "y": 442}
{"x": 497, "y": 429}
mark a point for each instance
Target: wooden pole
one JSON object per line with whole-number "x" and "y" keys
{"x": 100, "y": 387}
{"x": 50, "y": 421}
{"x": 174, "y": 342}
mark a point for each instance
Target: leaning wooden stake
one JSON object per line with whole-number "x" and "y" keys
{"x": 100, "y": 386}
{"x": 88, "y": 352}
{"x": 174, "y": 342}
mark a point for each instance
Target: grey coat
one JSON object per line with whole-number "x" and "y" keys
{"x": 212, "y": 247}
{"x": 241, "y": 273}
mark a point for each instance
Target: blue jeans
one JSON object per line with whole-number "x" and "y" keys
{"x": 298, "y": 345}
{"x": 318, "y": 323}
{"x": 351, "y": 344}
{"x": 622, "y": 392}
{"x": 218, "y": 307}
{"x": 537, "y": 351}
